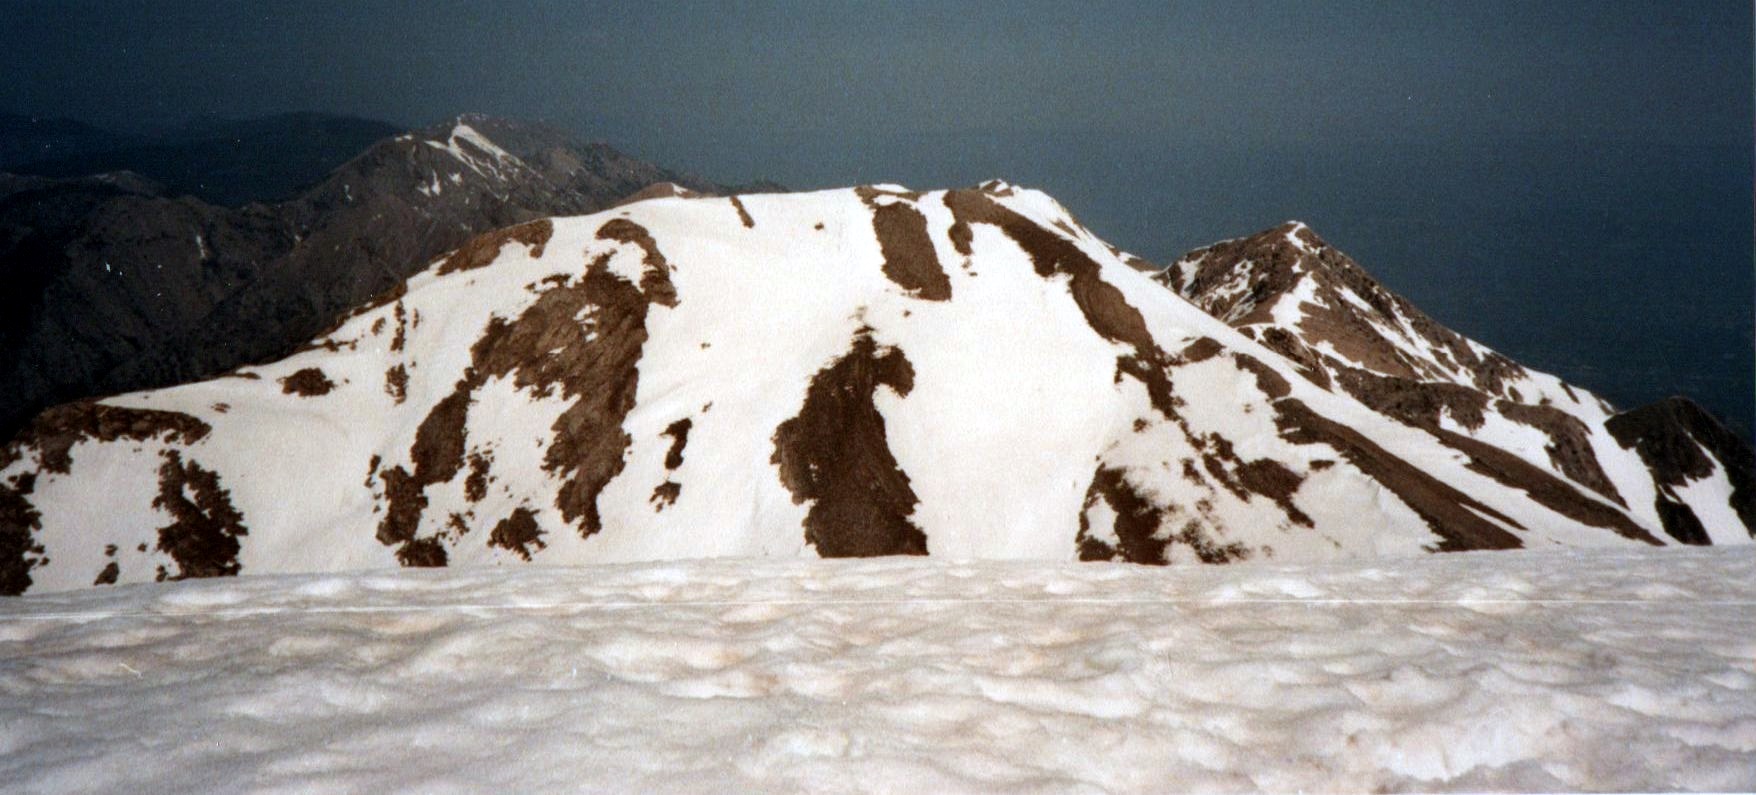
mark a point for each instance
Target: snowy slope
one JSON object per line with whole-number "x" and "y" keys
{"x": 1602, "y": 670}
{"x": 1670, "y": 466}
{"x": 866, "y": 371}
{"x": 117, "y": 285}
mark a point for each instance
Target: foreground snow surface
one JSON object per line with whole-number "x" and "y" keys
{"x": 1574, "y": 670}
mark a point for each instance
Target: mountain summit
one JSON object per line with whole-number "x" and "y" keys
{"x": 117, "y": 285}
{"x": 1315, "y": 306}
{"x": 867, "y": 371}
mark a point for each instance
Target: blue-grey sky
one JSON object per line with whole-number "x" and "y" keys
{"x": 692, "y": 79}
{"x": 1568, "y": 181}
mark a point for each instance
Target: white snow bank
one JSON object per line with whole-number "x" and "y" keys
{"x": 1600, "y": 670}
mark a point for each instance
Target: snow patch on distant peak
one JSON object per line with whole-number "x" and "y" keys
{"x": 469, "y": 133}
{"x": 1294, "y": 228}
{"x": 490, "y": 166}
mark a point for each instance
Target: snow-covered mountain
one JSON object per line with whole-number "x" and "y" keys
{"x": 118, "y": 284}
{"x": 866, "y": 371}
{"x": 1671, "y": 464}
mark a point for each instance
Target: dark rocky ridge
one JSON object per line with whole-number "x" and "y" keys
{"x": 1241, "y": 281}
{"x": 229, "y": 162}
{"x": 1671, "y": 436}
{"x": 28, "y": 138}
{"x": 117, "y": 286}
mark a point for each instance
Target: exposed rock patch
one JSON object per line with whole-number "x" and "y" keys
{"x": 1102, "y": 304}
{"x": 1200, "y": 350}
{"x": 597, "y": 369}
{"x": 309, "y": 382}
{"x": 483, "y": 249}
{"x": 405, "y": 500}
{"x": 1356, "y": 340}
{"x": 396, "y": 383}
{"x": 743, "y": 214}
{"x": 19, "y": 550}
{"x": 423, "y": 553}
{"x": 400, "y": 338}
{"x": 909, "y": 258}
{"x": 665, "y": 494}
{"x": 475, "y": 486}
{"x": 1105, "y": 309}
{"x": 835, "y": 454}
{"x": 655, "y": 280}
{"x": 1415, "y": 403}
{"x": 1310, "y": 364}
{"x": 437, "y": 455}
{"x": 1680, "y": 521}
{"x": 1673, "y": 437}
{"x": 1275, "y": 481}
{"x": 1551, "y": 492}
{"x": 1271, "y": 383}
{"x": 1452, "y": 515}
{"x": 1569, "y": 446}
{"x": 544, "y": 350}
{"x": 1139, "y": 527}
{"x": 679, "y": 433}
{"x": 518, "y": 533}
{"x": 54, "y": 432}
{"x": 202, "y": 537}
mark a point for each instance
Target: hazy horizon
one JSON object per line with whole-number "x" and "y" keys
{"x": 1567, "y": 182}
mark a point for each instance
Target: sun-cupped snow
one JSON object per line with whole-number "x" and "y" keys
{"x": 1564, "y": 671}
{"x": 868, "y": 371}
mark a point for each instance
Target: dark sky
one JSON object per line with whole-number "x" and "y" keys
{"x": 1569, "y": 182}
{"x": 697, "y": 81}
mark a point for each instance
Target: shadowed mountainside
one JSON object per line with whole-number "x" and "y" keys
{"x": 118, "y": 285}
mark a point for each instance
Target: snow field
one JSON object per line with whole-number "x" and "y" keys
{"x": 1531, "y": 671}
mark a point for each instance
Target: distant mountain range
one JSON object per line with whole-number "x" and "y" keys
{"x": 967, "y": 373}
{"x": 147, "y": 277}
{"x": 229, "y": 163}
{"x": 26, "y": 139}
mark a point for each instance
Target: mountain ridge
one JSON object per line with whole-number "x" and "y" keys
{"x": 1315, "y": 305}
{"x": 861, "y": 371}
{"x": 131, "y": 288}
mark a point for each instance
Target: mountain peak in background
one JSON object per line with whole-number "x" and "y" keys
{"x": 867, "y": 371}
{"x": 25, "y": 138}
{"x": 224, "y": 162}
{"x": 120, "y": 284}
{"x": 1306, "y": 300}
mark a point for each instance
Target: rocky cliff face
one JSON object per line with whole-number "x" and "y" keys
{"x": 867, "y": 371}
{"x": 121, "y": 286}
